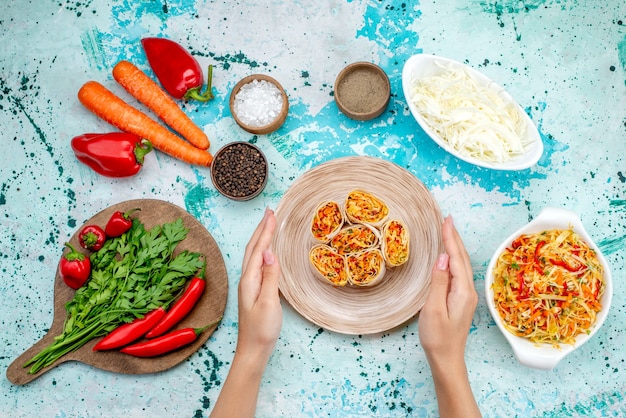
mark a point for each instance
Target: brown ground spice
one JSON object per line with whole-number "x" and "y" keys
{"x": 362, "y": 91}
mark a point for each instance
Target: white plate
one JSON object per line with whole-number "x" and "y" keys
{"x": 545, "y": 356}
{"x": 424, "y": 65}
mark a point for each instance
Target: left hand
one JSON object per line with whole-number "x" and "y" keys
{"x": 260, "y": 319}
{"x": 260, "y": 312}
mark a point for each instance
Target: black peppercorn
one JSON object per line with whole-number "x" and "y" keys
{"x": 239, "y": 170}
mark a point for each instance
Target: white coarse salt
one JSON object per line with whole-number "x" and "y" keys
{"x": 258, "y": 103}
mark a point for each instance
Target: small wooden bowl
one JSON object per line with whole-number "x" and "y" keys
{"x": 362, "y": 91}
{"x": 276, "y": 123}
{"x": 223, "y": 164}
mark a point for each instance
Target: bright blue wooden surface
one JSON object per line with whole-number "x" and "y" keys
{"x": 563, "y": 61}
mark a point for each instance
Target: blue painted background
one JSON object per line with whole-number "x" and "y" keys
{"x": 564, "y": 62}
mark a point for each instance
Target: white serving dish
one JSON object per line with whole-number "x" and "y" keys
{"x": 424, "y": 65}
{"x": 545, "y": 356}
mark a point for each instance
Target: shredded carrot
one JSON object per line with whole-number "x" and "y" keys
{"x": 148, "y": 92}
{"x": 365, "y": 207}
{"x": 329, "y": 264}
{"x": 395, "y": 242}
{"x": 365, "y": 267}
{"x": 328, "y": 218}
{"x": 109, "y": 107}
{"x": 547, "y": 286}
{"x": 353, "y": 239}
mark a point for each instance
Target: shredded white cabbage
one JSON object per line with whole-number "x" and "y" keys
{"x": 471, "y": 117}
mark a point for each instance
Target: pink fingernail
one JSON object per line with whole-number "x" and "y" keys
{"x": 442, "y": 262}
{"x": 268, "y": 257}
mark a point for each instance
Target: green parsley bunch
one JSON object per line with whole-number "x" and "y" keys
{"x": 131, "y": 275}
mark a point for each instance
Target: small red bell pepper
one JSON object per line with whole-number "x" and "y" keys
{"x": 74, "y": 267}
{"x": 113, "y": 154}
{"x": 131, "y": 331}
{"x": 119, "y": 223}
{"x": 177, "y": 70}
{"x": 166, "y": 343}
{"x": 92, "y": 237}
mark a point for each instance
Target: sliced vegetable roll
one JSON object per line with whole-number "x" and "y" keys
{"x": 395, "y": 242}
{"x": 327, "y": 221}
{"x": 328, "y": 265}
{"x": 364, "y": 207}
{"x": 355, "y": 238}
{"x": 366, "y": 268}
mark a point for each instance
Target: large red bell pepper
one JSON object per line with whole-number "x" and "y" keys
{"x": 177, "y": 70}
{"x": 114, "y": 154}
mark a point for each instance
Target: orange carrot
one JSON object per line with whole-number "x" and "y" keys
{"x": 106, "y": 105}
{"x": 138, "y": 84}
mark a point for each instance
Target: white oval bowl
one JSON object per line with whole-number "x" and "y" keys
{"x": 424, "y": 65}
{"x": 544, "y": 356}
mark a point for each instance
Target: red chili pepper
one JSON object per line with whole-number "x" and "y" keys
{"x": 524, "y": 291}
{"x": 177, "y": 70}
{"x": 119, "y": 223}
{"x": 563, "y": 263}
{"x": 114, "y": 154}
{"x": 166, "y": 343}
{"x": 92, "y": 237}
{"x": 131, "y": 331}
{"x": 516, "y": 243}
{"x": 74, "y": 268}
{"x": 181, "y": 308}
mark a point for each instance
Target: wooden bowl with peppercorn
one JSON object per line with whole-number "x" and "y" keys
{"x": 239, "y": 170}
{"x": 259, "y": 104}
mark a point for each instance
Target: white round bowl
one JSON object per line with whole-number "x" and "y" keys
{"x": 424, "y": 65}
{"x": 545, "y": 356}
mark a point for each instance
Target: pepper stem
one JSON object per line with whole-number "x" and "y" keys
{"x": 194, "y": 93}
{"x": 142, "y": 149}
{"x": 202, "y": 272}
{"x": 199, "y": 331}
{"x": 73, "y": 254}
{"x": 126, "y": 215}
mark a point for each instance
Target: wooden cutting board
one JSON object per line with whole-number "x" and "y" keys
{"x": 209, "y": 308}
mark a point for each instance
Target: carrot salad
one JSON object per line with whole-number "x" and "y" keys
{"x": 547, "y": 286}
